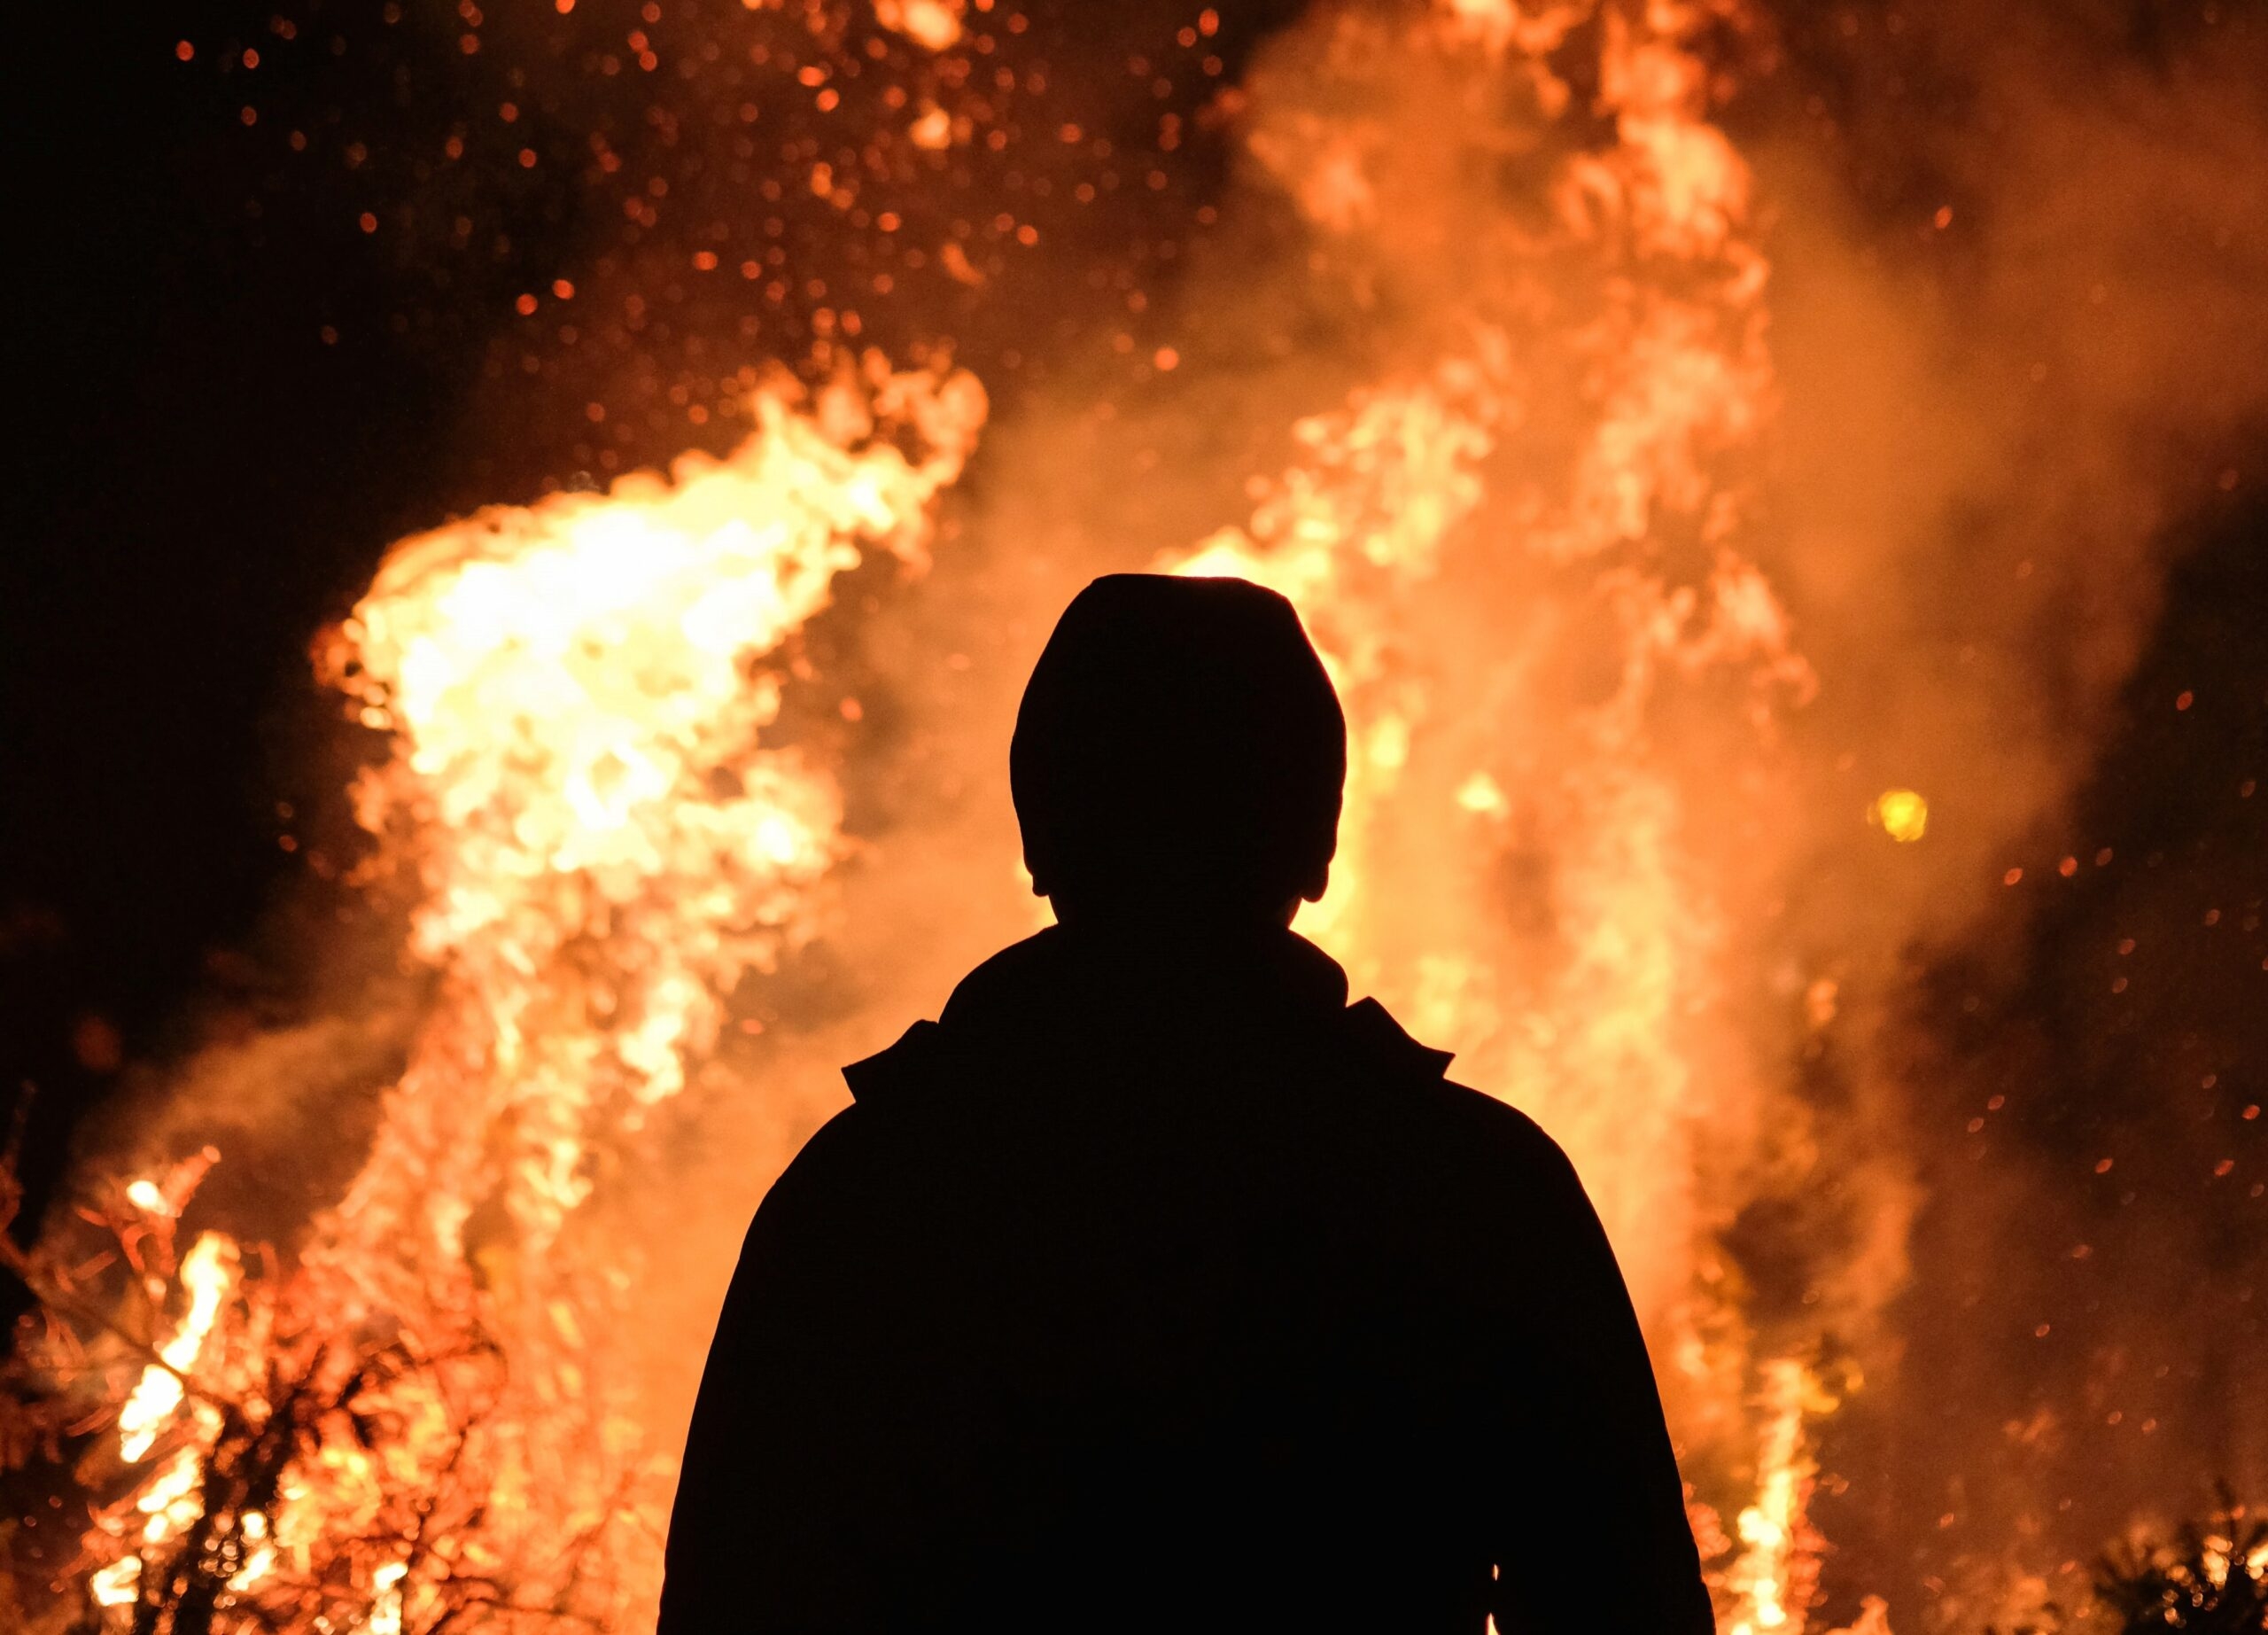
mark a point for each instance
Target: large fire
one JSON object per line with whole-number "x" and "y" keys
{"x": 1521, "y": 536}
{"x": 412, "y": 1417}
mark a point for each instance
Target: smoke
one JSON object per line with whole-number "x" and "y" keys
{"x": 2017, "y": 271}
{"x": 1998, "y": 396}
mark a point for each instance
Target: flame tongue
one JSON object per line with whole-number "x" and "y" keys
{"x": 1560, "y": 488}
{"x": 603, "y": 840}
{"x": 208, "y": 1274}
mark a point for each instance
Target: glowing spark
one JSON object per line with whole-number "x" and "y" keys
{"x": 933, "y": 25}
{"x": 1480, "y": 794}
{"x": 932, "y": 129}
{"x": 144, "y": 1195}
{"x": 1902, "y": 813}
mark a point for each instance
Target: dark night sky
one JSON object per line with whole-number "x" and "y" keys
{"x": 199, "y": 480}
{"x": 191, "y": 467}
{"x": 236, "y": 396}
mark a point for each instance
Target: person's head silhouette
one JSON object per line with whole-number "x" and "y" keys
{"x": 1179, "y": 756}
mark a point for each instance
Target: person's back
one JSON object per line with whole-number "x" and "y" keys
{"x": 1154, "y": 1287}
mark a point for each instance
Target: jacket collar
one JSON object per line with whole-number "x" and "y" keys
{"x": 1023, "y": 998}
{"x": 1091, "y": 970}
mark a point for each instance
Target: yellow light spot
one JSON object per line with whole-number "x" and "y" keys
{"x": 1902, "y": 813}
{"x": 1480, "y": 794}
{"x": 144, "y": 1195}
{"x": 933, "y": 129}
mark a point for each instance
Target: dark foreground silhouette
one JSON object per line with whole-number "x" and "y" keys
{"x": 1154, "y": 1286}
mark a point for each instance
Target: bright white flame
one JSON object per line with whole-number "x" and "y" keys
{"x": 169, "y": 1500}
{"x": 259, "y": 1560}
{"x": 1763, "y": 1578}
{"x": 208, "y": 1274}
{"x": 118, "y": 1584}
{"x": 385, "y": 1600}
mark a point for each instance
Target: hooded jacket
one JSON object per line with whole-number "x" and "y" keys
{"x": 1154, "y": 1286}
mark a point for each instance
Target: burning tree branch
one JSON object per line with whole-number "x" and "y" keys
{"x": 301, "y": 1475}
{"x": 2209, "y": 1578}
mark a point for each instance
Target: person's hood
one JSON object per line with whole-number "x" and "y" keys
{"x": 1033, "y": 997}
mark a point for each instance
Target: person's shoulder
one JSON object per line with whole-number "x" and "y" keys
{"x": 1494, "y": 1128}
{"x": 1006, "y": 982}
{"x": 1384, "y": 1045}
{"x": 1481, "y": 1127}
{"x": 828, "y": 1170}
{"x": 889, "y": 1075}
{"x": 1467, "y": 1118}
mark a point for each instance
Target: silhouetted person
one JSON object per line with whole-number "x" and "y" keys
{"x": 1154, "y": 1287}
